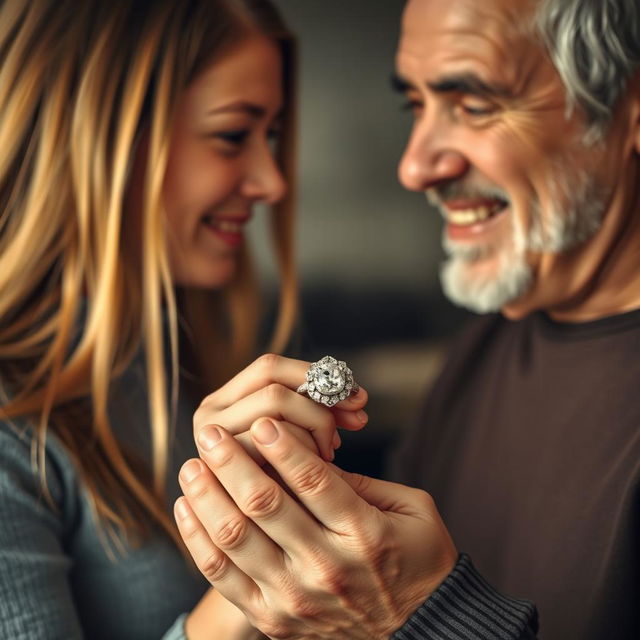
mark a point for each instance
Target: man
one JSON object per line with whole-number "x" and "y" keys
{"x": 527, "y": 138}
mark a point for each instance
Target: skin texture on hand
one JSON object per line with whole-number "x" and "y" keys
{"x": 336, "y": 555}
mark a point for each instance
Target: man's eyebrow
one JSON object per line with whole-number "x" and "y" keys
{"x": 399, "y": 84}
{"x": 471, "y": 84}
{"x": 467, "y": 83}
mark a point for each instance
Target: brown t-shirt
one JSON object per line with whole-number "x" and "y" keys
{"x": 530, "y": 445}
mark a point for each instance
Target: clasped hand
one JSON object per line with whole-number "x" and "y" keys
{"x": 304, "y": 549}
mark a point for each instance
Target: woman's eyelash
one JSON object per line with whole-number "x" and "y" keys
{"x": 239, "y": 136}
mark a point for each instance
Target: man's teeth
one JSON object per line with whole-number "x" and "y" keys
{"x": 464, "y": 217}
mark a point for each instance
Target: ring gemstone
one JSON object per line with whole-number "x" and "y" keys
{"x": 329, "y": 381}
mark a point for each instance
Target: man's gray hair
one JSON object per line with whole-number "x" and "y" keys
{"x": 595, "y": 46}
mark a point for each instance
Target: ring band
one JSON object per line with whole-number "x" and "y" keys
{"x": 328, "y": 382}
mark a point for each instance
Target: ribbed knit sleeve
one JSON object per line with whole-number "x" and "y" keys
{"x": 35, "y": 595}
{"x": 56, "y": 581}
{"x": 466, "y": 607}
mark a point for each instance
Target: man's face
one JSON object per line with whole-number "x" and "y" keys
{"x": 493, "y": 149}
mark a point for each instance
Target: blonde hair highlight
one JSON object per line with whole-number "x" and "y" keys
{"x": 78, "y": 82}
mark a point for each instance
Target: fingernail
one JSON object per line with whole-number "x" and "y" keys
{"x": 265, "y": 432}
{"x": 209, "y": 437}
{"x": 362, "y": 416}
{"x": 337, "y": 440}
{"x": 181, "y": 509}
{"x": 190, "y": 470}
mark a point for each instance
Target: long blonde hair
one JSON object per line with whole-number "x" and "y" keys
{"x": 79, "y": 81}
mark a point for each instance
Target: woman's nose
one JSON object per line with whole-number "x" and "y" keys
{"x": 264, "y": 181}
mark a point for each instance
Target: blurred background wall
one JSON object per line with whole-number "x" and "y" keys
{"x": 368, "y": 251}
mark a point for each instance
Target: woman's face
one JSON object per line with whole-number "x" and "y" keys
{"x": 221, "y": 162}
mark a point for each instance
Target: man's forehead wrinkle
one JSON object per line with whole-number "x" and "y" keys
{"x": 488, "y": 38}
{"x": 469, "y": 52}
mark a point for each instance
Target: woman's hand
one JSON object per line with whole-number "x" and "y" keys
{"x": 335, "y": 555}
{"x": 267, "y": 388}
{"x": 214, "y": 617}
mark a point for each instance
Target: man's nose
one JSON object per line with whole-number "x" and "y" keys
{"x": 430, "y": 159}
{"x": 264, "y": 181}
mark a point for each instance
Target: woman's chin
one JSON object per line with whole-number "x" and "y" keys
{"x": 209, "y": 276}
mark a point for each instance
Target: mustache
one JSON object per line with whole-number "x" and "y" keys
{"x": 465, "y": 190}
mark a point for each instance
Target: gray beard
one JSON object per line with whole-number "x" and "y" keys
{"x": 568, "y": 225}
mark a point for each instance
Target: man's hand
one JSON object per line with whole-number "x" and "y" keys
{"x": 335, "y": 556}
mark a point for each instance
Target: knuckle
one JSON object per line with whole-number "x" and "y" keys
{"x": 301, "y": 607}
{"x": 198, "y": 418}
{"x": 359, "y": 482}
{"x": 275, "y": 393}
{"x": 374, "y": 546}
{"x": 213, "y": 567}
{"x": 264, "y": 501}
{"x": 203, "y": 415}
{"x": 199, "y": 490}
{"x": 222, "y": 455}
{"x": 267, "y": 363}
{"x": 311, "y": 478}
{"x": 425, "y": 500}
{"x": 373, "y": 541}
{"x": 273, "y": 626}
{"x": 232, "y": 533}
{"x": 377, "y": 539}
{"x": 190, "y": 530}
{"x": 334, "y": 580}
{"x": 204, "y": 404}
{"x": 207, "y": 403}
{"x": 369, "y": 544}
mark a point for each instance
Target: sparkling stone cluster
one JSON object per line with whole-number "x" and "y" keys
{"x": 329, "y": 381}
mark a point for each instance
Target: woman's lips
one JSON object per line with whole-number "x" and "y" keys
{"x": 229, "y": 230}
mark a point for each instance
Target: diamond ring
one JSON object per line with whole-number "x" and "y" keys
{"x": 329, "y": 381}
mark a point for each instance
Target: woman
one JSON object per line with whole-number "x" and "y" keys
{"x": 136, "y": 137}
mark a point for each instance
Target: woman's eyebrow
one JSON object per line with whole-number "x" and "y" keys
{"x": 254, "y": 110}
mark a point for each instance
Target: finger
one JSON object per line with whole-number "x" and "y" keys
{"x": 216, "y": 567}
{"x": 384, "y": 495}
{"x": 256, "y": 494}
{"x": 314, "y": 482}
{"x": 279, "y": 402}
{"x": 301, "y": 434}
{"x": 355, "y": 401}
{"x": 267, "y": 369}
{"x": 227, "y": 527}
{"x": 349, "y": 414}
{"x": 352, "y": 420}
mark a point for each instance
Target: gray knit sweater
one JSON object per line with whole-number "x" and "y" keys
{"x": 56, "y": 580}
